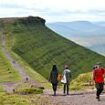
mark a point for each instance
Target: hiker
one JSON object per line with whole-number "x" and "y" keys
{"x": 98, "y": 77}
{"x": 66, "y": 77}
{"x": 53, "y": 78}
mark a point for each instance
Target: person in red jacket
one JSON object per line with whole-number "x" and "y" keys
{"x": 98, "y": 77}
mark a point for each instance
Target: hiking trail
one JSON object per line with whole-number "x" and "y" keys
{"x": 9, "y": 86}
{"x": 75, "y": 98}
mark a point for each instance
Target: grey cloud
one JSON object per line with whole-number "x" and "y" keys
{"x": 16, "y": 6}
{"x": 97, "y": 12}
{"x": 10, "y": 6}
{"x": 94, "y": 12}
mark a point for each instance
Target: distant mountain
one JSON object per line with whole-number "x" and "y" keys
{"x": 88, "y": 34}
{"x": 77, "y": 28}
{"x": 101, "y": 23}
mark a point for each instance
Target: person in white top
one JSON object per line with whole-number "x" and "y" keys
{"x": 67, "y": 74}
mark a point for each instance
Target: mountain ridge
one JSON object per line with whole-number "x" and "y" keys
{"x": 41, "y": 47}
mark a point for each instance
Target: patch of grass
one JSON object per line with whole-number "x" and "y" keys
{"x": 28, "y": 88}
{"x": 1, "y": 89}
{"x": 7, "y": 73}
{"x": 16, "y": 99}
{"x": 82, "y": 81}
{"x": 30, "y": 91}
{"x": 6, "y": 99}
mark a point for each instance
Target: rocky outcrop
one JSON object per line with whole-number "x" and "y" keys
{"x": 31, "y": 20}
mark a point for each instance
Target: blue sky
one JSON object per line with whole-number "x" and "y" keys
{"x": 55, "y": 10}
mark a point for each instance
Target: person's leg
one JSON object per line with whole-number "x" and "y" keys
{"x": 64, "y": 89}
{"x": 54, "y": 88}
{"x": 99, "y": 87}
{"x": 97, "y": 92}
{"x": 67, "y": 89}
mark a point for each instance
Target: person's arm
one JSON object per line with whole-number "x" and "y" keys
{"x": 62, "y": 73}
{"x": 70, "y": 74}
{"x": 50, "y": 76}
{"x": 94, "y": 75}
{"x": 103, "y": 72}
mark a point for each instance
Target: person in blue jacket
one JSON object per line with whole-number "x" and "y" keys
{"x": 53, "y": 78}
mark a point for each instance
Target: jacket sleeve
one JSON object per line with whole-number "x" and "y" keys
{"x": 70, "y": 75}
{"x": 103, "y": 69}
{"x": 93, "y": 74}
{"x": 50, "y": 77}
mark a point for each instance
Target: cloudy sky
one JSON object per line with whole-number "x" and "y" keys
{"x": 55, "y": 10}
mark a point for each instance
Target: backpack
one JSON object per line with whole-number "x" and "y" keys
{"x": 59, "y": 77}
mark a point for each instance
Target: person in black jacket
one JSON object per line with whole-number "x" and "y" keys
{"x": 53, "y": 78}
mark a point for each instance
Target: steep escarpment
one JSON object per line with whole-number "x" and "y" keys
{"x": 41, "y": 47}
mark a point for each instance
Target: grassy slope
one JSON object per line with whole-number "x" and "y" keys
{"x": 16, "y": 99}
{"x": 14, "y": 76}
{"x": 7, "y": 73}
{"x": 40, "y": 47}
{"x": 33, "y": 74}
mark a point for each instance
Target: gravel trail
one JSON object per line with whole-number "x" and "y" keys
{"x": 75, "y": 98}
{"x": 9, "y": 86}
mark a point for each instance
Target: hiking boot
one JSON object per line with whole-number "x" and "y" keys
{"x": 98, "y": 98}
{"x": 54, "y": 93}
{"x": 64, "y": 94}
{"x": 68, "y": 94}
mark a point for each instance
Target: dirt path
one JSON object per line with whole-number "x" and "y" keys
{"x": 10, "y": 86}
{"x": 75, "y": 98}
{"x": 12, "y": 61}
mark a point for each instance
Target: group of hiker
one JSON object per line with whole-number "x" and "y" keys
{"x": 98, "y": 74}
{"x": 65, "y": 78}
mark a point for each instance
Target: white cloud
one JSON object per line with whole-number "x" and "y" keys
{"x": 55, "y": 10}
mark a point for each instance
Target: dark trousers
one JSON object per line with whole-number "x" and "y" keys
{"x": 99, "y": 87}
{"x": 54, "y": 86}
{"x": 66, "y": 88}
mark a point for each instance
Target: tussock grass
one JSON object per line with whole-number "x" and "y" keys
{"x": 83, "y": 81}
{"x": 16, "y": 99}
{"x": 1, "y": 89}
{"x": 27, "y": 88}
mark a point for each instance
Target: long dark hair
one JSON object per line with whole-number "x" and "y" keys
{"x": 54, "y": 68}
{"x": 54, "y": 74}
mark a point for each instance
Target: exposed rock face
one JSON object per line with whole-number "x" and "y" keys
{"x": 31, "y": 20}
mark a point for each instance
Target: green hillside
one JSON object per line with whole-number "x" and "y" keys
{"x": 40, "y": 47}
{"x": 7, "y": 73}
